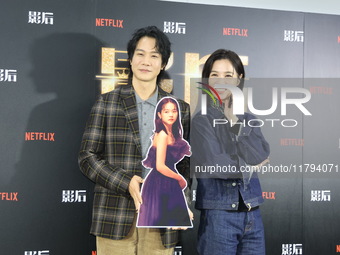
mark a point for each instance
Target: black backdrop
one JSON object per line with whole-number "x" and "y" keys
{"x": 55, "y": 56}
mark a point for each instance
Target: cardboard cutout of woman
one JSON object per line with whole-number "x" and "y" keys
{"x": 164, "y": 204}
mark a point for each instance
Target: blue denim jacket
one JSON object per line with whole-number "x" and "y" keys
{"x": 219, "y": 159}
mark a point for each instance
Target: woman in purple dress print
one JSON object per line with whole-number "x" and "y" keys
{"x": 164, "y": 203}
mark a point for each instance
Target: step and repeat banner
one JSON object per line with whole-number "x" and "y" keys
{"x": 57, "y": 56}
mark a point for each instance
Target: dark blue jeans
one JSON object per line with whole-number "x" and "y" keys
{"x": 231, "y": 233}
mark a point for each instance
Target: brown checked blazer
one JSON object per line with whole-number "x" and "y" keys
{"x": 110, "y": 156}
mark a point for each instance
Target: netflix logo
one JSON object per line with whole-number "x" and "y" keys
{"x": 229, "y": 31}
{"x": 292, "y": 142}
{"x": 268, "y": 195}
{"x": 9, "y": 196}
{"x": 321, "y": 90}
{"x": 109, "y": 23}
{"x": 39, "y": 136}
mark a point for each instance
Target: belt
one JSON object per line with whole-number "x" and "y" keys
{"x": 243, "y": 208}
{"x": 247, "y": 209}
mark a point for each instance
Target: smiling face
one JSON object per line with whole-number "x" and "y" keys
{"x": 146, "y": 62}
{"x": 168, "y": 114}
{"x": 223, "y": 72}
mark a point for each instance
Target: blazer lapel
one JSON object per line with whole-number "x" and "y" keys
{"x": 130, "y": 109}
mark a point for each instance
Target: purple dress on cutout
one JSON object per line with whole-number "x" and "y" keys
{"x": 164, "y": 204}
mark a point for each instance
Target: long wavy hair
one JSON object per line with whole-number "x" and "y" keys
{"x": 176, "y": 127}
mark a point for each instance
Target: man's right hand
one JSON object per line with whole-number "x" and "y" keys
{"x": 134, "y": 189}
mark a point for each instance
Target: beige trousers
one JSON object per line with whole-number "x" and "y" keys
{"x": 140, "y": 241}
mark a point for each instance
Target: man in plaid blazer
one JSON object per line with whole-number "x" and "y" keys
{"x": 111, "y": 152}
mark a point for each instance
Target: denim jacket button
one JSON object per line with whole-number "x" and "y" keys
{"x": 233, "y": 205}
{"x": 234, "y": 184}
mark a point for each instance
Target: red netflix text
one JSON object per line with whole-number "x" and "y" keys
{"x": 9, "y": 196}
{"x": 321, "y": 90}
{"x": 109, "y": 23}
{"x": 292, "y": 142}
{"x": 39, "y": 136}
{"x": 235, "y": 31}
{"x": 268, "y": 195}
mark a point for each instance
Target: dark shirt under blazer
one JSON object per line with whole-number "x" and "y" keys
{"x": 110, "y": 156}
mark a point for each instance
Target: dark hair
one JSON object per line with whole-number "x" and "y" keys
{"x": 163, "y": 46}
{"x": 224, "y": 54}
{"x": 159, "y": 126}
